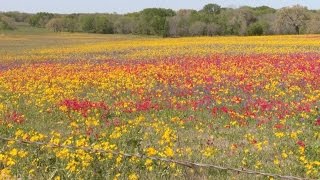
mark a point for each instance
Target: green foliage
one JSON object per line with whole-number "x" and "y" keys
{"x": 87, "y": 23}
{"x": 7, "y": 23}
{"x": 103, "y": 25}
{"x": 56, "y": 24}
{"x": 18, "y": 16}
{"x": 255, "y": 29}
{"x": 40, "y": 19}
{"x": 211, "y": 20}
{"x": 211, "y": 9}
{"x": 263, "y": 10}
{"x": 95, "y": 24}
{"x": 152, "y": 20}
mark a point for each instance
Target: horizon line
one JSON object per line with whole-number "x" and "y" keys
{"x": 134, "y": 11}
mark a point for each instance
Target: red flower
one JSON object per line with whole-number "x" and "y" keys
{"x": 224, "y": 109}
{"x": 301, "y": 143}
{"x": 214, "y": 110}
{"x": 16, "y": 117}
{"x": 83, "y": 106}
{"x": 279, "y": 126}
{"x": 317, "y": 123}
{"x": 254, "y": 141}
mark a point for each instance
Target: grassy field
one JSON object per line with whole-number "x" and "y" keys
{"x": 81, "y": 101}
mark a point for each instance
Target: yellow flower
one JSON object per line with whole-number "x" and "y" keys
{"x": 133, "y": 176}
{"x": 22, "y": 154}
{"x": 5, "y": 174}
{"x": 284, "y": 155}
{"x": 168, "y": 152}
{"x": 13, "y": 152}
{"x": 71, "y": 166}
{"x": 2, "y": 157}
{"x": 63, "y": 153}
{"x": 148, "y": 164}
{"x": 209, "y": 151}
{"x": 31, "y": 171}
{"x": 19, "y": 133}
{"x": 10, "y": 162}
{"x": 279, "y": 134}
{"x": 91, "y": 122}
{"x": 63, "y": 108}
{"x": 116, "y": 176}
{"x": 151, "y": 151}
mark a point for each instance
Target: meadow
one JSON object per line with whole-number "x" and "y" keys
{"x": 85, "y": 106}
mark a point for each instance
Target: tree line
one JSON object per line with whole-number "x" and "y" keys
{"x": 211, "y": 20}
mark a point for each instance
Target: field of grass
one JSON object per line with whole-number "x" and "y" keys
{"x": 82, "y": 102}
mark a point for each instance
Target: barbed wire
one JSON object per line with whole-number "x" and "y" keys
{"x": 179, "y": 162}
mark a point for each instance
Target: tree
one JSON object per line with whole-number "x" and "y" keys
{"x": 211, "y": 9}
{"x": 179, "y": 25}
{"x": 313, "y": 26}
{"x": 18, "y": 16}
{"x": 291, "y": 19}
{"x": 210, "y": 13}
{"x": 261, "y": 10}
{"x": 152, "y": 20}
{"x": 71, "y": 24}
{"x": 255, "y": 29}
{"x": 197, "y": 29}
{"x": 239, "y": 20}
{"x": 267, "y": 21}
{"x": 40, "y": 19}
{"x": 7, "y": 23}
{"x": 213, "y": 29}
{"x": 87, "y": 23}
{"x": 103, "y": 25}
{"x": 124, "y": 25}
{"x": 56, "y": 24}
{"x": 173, "y": 28}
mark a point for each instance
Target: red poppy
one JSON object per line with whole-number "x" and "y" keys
{"x": 317, "y": 123}
{"x": 301, "y": 143}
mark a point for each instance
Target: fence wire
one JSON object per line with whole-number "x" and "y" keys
{"x": 188, "y": 164}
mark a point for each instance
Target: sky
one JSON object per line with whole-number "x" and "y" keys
{"x": 125, "y": 6}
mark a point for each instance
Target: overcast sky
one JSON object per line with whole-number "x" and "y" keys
{"x": 124, "y": 6}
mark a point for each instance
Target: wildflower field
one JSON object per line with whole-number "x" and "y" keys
{"x": 79, "y": 106}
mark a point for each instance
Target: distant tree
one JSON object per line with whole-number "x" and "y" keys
{"x": 166, "y": 29}
{"x": 211, "y": 9}
{"x": 198, "y": 29}
{"x": 267, "y": 23}
{"x": 124, "y": 25}
{"x": 211, "y": 20}
{"x": 103, "y": 25}
{"x": 313, "y": 25}
{"x": 180, "y": 24}
{"x": 71, "y": 24}
{"x": 56, "y": 24}
{"x": 173, "y": 27}
{"x": 40, "y": 19}
{"x": 261, "y": 10}
{"x": 209, "y": 13}
{"x": 213, "y": 29}
{"x": 7, "y": 23}
{"x": 240, "y": 20}
{"x": 87, "y": 23}
{"x": 291, "y": 19}
{"x": 152, "y": 20}
{"x": 255, "y": 29}
{"x": 246, "y": 18}
{"x": 18, "y": 16}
